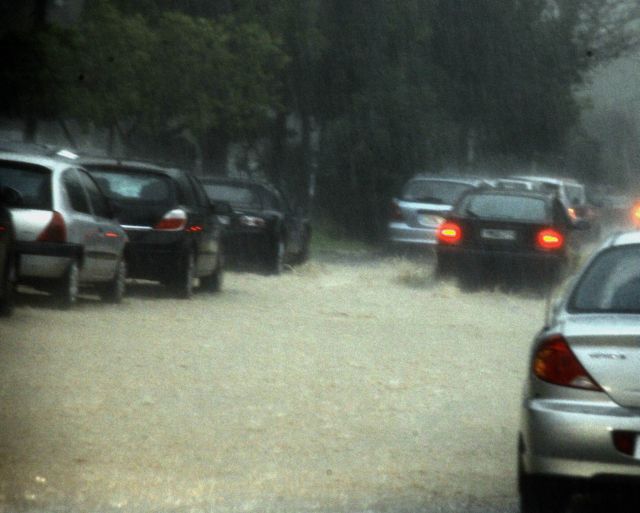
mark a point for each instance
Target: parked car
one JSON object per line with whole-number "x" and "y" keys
{"x": 580, "y": 416}
{"x": 495, "y": 230}
{"x": 570, "y": 192}
{"x": 423, "y": 204}
{"x": 173, "y": 228}
{"x": 8, "y": 260}
{"x": 66, "y": 236}
{"x": 263, "y": 226}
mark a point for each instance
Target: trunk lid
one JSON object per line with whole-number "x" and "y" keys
{"x": 608, "y": 346}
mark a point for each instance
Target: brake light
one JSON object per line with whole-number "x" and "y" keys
{"x": 635, "y": 214}
{"x": 549, "y": 239}
{"x": 173, "y": 220}
{"x": 56, "y": 230}
{"x": 449, "y": 233}
{"x": 396, "y": 212}
{"x": 555, "y": 363}
{"x": 625, "y": 441}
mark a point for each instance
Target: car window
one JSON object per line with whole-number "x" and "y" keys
{"x": 272, "y": 201}
{"x": 187, "y": 195}
{"x": 98, "y": 201}
{"x": 497, "y": 206}
{"x": 75, "y": 192}
{"x": 33, "y": 183}
{"x": 575, "y": 194}
{"x": 135, "y": 187}
{"x": 201, "y": 196}
{"x": 434, "y": 191}
{"x": 236, "y": 195}
{"x": 611, "y": 283}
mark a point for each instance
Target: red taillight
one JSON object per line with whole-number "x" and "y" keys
{"x": 56, "y": 230}
{"x": 549, "y": 239}
{"x": 173, "y": 220}
{"x": 555, "y": 363}
{"x": 449, "y": 233}
{"x": 395, "y": 212}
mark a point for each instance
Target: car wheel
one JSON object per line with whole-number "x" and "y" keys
{"x": 11, "y": 277}
{"x": 275, "y": 264}
{"x": 113, "y": 292}
{"x": 213, "y": 282}
{"x": 303, "y": 255}
{"x": 542, "y": 494}
{"x": 69, "y": 285}
{"x": 445, "y": 266}
{"x": 183, "y": 283}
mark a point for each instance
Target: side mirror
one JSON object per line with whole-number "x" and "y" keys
{"x": 10, "y": 197}
{"x": 221, "y": 208}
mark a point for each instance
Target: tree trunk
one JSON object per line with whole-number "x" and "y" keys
{"x": 215, "y": 153}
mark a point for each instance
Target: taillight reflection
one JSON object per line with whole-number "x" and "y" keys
{"x": 449, "y": 233}
{"x": 555, "y": 363}
{"x": 55, "y": 231}
{"x": 549, "y": 239}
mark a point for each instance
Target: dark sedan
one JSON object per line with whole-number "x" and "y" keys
{"x": 263, "y": 225}
{"x": 493, "y": 231}
{"x": 174, "y": 231}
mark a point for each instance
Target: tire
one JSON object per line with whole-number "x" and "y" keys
{"x": 113, "y": 292}
{"x": 303, "y": 255}
{"x": 213, "y": 282}
{"x": 182, "y": 285}
{"x": 445, "y": 266}
{"x": 275, "y": 263}
{"x": 11, "y": 277}
{"x": 542, "y": 494}
{"x": 67, "y": 289}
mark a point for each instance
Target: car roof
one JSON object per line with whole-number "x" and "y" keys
{"x": 523, "y": 193}
{"x": 120, "y": 164}
{"x": 546, "y": 179}
{"x": 624, "y": 239}
{"x": 448, "y": 178}
{"x": 51, "y": 163}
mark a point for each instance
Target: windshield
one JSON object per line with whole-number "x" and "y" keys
{"x": 610, "y": 284}
{"x": 236, "y": 195}
{"x": 497, "y": 206}
{"x": 33, "y": 184}
{"x": 434, "y": 191}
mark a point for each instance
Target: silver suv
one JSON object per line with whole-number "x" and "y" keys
{"x": 65, "y": 232}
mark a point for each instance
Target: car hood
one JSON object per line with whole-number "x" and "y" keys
{"x": 608, "y": 346}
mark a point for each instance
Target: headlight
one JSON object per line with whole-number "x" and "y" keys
{"x": 252, "y": 221}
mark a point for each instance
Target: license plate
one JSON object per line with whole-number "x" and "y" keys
{"x": 498, "y": 234}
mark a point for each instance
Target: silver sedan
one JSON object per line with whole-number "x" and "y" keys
{"x": 65, "y": 233}
{"x": 580, "y": 427}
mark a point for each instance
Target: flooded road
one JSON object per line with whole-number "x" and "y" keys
{"x": 338, "y": 386}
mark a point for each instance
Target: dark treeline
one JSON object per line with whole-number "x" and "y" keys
{"x": 352, "y": 95}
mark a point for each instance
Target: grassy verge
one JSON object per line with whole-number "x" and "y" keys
{"x": 329, "y": 238}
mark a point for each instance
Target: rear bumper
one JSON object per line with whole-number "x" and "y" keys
{"x": 45, "y": 259}
{"x": 574, "y": 439}
{"x": 405, "y": 234}
{"x": 466, "y": 255}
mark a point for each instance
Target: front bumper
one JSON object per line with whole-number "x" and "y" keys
{"x": 570, "y": 438}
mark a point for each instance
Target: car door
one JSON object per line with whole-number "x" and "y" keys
{"x": 82, "y": 227}
{"x": 111, "y": 237}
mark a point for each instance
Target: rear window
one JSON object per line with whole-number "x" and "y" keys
{"x": 138, "y": 187}
{"x": 502, "y": 207}
{"x": 434, "y": 191}
{"x": 236, "y": 195}
{"x": 575, "y": 194}
{"x": 610, "y": 284}
{"x": 33, "y": 183}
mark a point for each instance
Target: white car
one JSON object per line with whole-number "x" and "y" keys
{"x": 65, "y": 233}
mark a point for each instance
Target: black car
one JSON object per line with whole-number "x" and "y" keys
{"x": 497, "y": 231}
{"x": 8, "y": 269}
{"x": 173, "y": 228}
{"x": 263, "y": 225}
